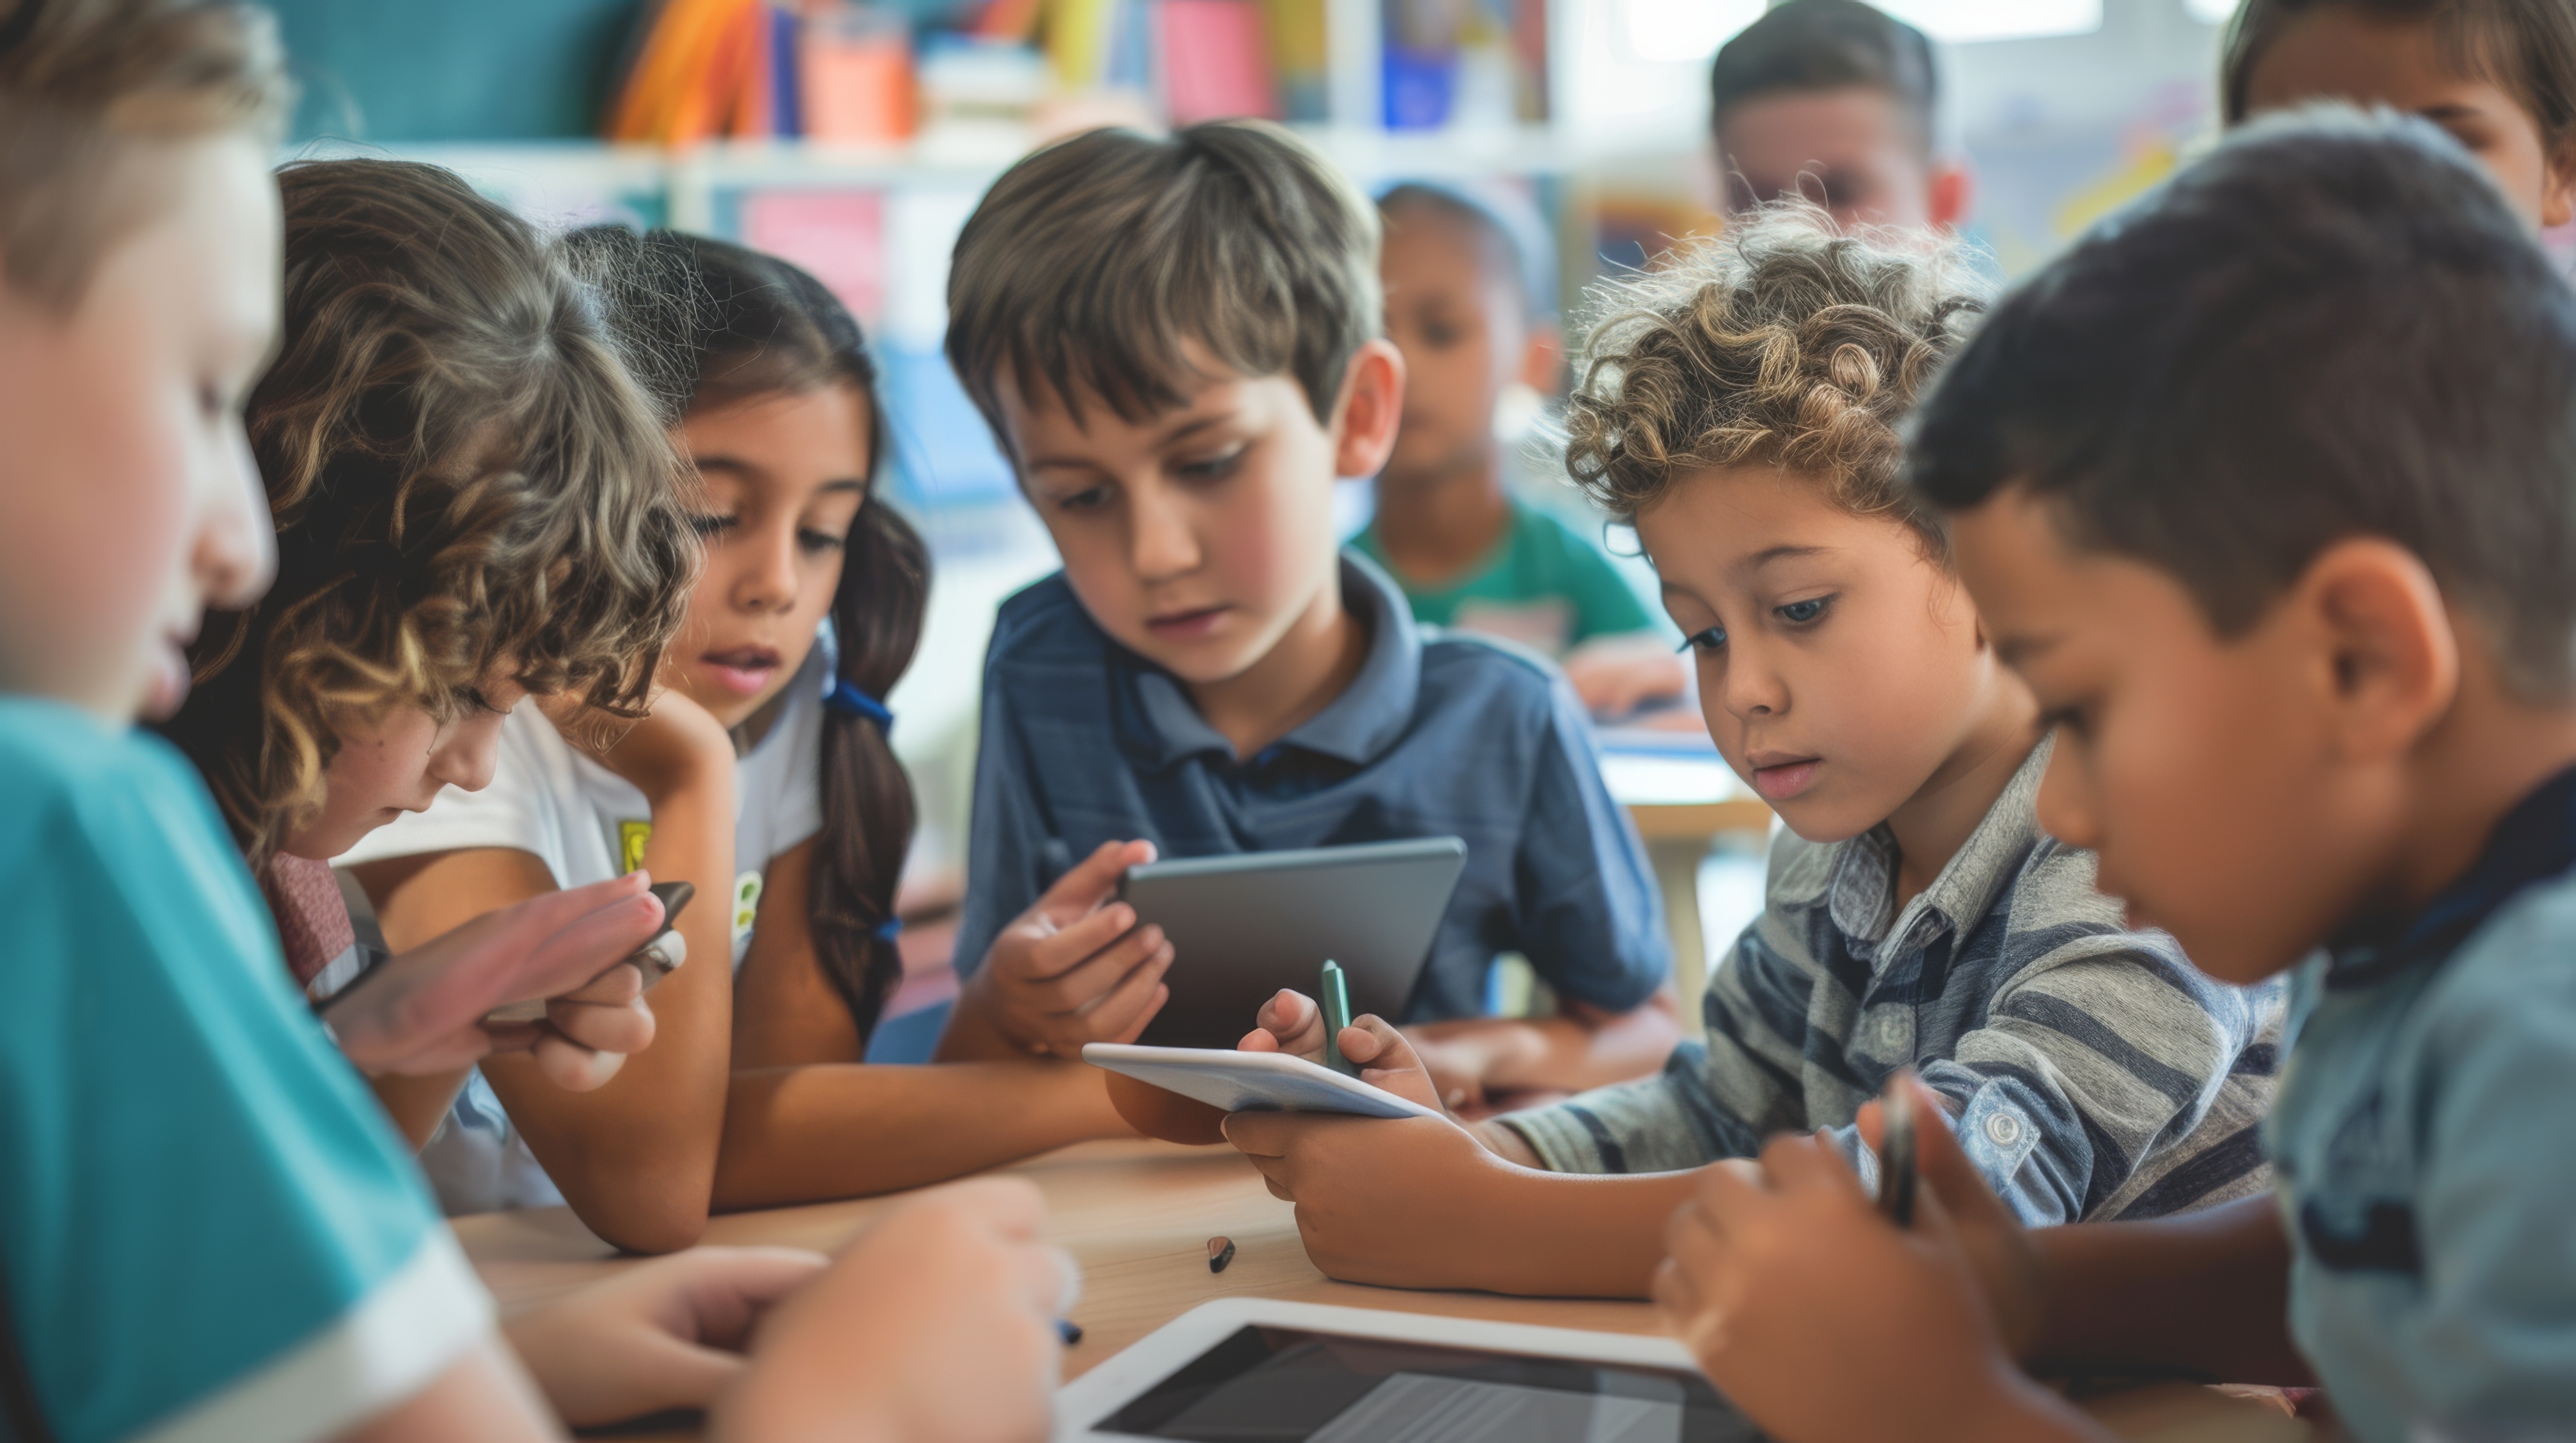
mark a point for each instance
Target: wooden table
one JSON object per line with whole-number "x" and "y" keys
{"x": 1138, "y": 1215}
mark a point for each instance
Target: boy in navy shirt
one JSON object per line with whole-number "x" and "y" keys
{"x": 2269, "y": 491}
{"x": 1178, "y": 343}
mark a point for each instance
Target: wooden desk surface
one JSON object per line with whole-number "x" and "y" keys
{"x": 1138, "y": 1215}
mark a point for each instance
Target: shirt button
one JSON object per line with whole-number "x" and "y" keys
{"x": 2003, "y": 1129}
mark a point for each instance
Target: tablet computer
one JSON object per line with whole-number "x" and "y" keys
{"x": 1251, "y": 1081}
{"x": 1245, "y": 925}
{"x": 1256, "y": 1368}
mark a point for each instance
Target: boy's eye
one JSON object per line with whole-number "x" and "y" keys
{"x": 1799, "y": 613}
{"x": 713, "y": 525}
{"x": 1442, "y": 334}
{"x": 1090, "y": 498}
{"x": 1213, "y": 468}
{"x": 1713, "y": 639}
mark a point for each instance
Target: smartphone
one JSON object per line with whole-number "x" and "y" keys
{"x": 1896, "y": 1151}
{"x": 656, "y": 959}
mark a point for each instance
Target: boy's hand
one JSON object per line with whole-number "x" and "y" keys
{"x": 2008, "y": 1269}
{"x": 1390, "y": 1201}
{"x": 665, "y": 1334}
{"x": 937, "y": 1326}
{"x": 421, "y": 1012}
{"x": 1075, "y": 968}
{"x": 1291, "y": 1022}
{"x": 1822, "y": 1320}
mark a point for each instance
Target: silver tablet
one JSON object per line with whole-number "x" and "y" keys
{"x": 1279, "y": 1372}
{"x": 1245, "y": 925}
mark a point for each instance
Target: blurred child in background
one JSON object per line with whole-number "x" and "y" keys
{"x": 2499, "y": 75}
{"x": 1463, "y": 305}
{"x": 1834, "y": 102}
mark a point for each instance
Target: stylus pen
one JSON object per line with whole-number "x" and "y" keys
{"x": 1334, "y": 996}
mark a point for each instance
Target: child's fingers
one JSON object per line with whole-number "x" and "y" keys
{"x": 615, "y": 987}
{"x": 1122, "y": 1015}
{"x": 725, "y": 1290}
{"x": 1259, "y": 1135}
{"x": 1807, "y": 1162}
{"x": 1092, "y": 881}
{"x": 1056, "y": 953}
{"x": 573, "y": 1067}
{"x": 622, "y": 1027}
{"x": 1293, "y": 1022}
{"x": 1373, "y": 1041}
{"x": 1085, "y": 986}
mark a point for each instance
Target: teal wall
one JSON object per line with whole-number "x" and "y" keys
{"x": 448, "y": 70}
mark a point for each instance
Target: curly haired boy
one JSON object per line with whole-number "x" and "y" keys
{"x": 1742, "y": 408}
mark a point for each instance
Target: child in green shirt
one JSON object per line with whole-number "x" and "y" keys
{"x": 1462, "y": 304}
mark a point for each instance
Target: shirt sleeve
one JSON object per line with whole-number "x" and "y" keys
{"x": 1587, "y": 912}
{"x": 2102, "y": 1045}
{"x": 1007, "y": 856}
{"x": 209, "y": 1231}
{"x": 1714, "y": 1099}
{"x": 2493, "y": 1348}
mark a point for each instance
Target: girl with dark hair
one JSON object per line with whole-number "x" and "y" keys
{"x": 808, "y": 609}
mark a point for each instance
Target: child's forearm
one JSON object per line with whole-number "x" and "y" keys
{"x": 805, "y": 1134}
{"x": 1581, "y": 1049}
{"x": 2205, "y": 1291}
{"x": 417, "y": 1105}
{"x": 974, "y": 1033}
{"x": 1564, "y": 1235}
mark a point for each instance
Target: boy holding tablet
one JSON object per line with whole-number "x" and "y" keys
{"x": 1178, "y": 343}
{"x": 2270, "y": 493}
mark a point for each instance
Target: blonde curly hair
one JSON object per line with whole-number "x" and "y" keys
{"x": 465, "y": 478}
{"x": 1782, "y": 342}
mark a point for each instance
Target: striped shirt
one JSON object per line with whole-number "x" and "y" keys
{"x": 2091, "y": 1071}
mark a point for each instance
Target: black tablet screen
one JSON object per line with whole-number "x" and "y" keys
{"x": 1284, "y": 1385}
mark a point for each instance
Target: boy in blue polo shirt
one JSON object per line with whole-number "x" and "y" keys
{"x": 2269, "y": 492}
{"x": 1178, "y": 343}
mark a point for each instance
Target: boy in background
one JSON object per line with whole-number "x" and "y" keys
{"x": 1177, "y": 342}
{"x": 1833, "y": 101}
{"x": 2270, "y": 493}
{"x": 2499, "y": 75}
{"x": 1462, "y": 304}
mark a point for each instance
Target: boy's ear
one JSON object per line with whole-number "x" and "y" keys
{"x": 2558, "y": 187}
{"x": 1372, "y": 409}
{"x": 2393, "y": 655}
{"x": 1543, "y": 360}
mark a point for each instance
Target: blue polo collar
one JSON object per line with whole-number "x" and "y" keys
{"x": 1360, "y": 725}
{"x": 2533, "y": 843}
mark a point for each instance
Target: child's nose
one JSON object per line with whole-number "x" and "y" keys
{"x": 1163, "y": 544}
{"x": 235, "y": 557}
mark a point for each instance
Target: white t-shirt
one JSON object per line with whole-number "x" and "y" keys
{"x": 587, "y": 825}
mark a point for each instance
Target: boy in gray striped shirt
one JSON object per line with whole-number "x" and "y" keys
{"x": 1741, "y": 406}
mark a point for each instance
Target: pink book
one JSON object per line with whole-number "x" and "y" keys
{"x": 1216, "y": 61}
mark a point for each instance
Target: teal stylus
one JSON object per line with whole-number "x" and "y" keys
{"x": 1335, "y": 998}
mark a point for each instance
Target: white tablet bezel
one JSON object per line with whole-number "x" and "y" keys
{"x": 1245, "y": 1073}
{"x": 1082, "y": 1403}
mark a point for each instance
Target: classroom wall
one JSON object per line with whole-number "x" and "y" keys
{"x": 452, "y": 70}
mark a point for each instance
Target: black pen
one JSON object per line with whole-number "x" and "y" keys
{"x": 1896, "y": 1151}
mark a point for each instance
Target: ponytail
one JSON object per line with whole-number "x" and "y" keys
{"x": 867, "y": 798}
{"x": 708, "y": 324}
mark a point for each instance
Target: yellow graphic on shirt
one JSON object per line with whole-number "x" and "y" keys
{"x": 631, "y": 837}
{"x": 746, "y": 904}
